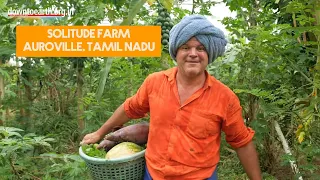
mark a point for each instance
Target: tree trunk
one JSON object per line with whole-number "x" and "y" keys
{"x": 28, "y": 102}
{"x": 3, "y": 116}
{"x": 317, "y": 66}
{"x": 103, "y": 77}
{"x": 20, "y": 98}
{"x": 286, "y": 148}
{"x": 317, "y": 34}
{"x": 79, "y": 99}
{"x": 253, "y": 107}
{"x": 130, "y": 87}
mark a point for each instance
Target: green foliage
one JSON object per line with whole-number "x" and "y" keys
{"x": 96, "y": 111}
{"x": 275, "y": 75}
{"x": 134, "y": 6}
{"x": 92, "y": 151}
{"x": 22, "y": 155}
{"x": 271, "y": 66}
{"x": 44, "y": 96}
{"x": 66, "y": 167}
{"x": 230, "y": 167}
{"x": 13, "y": 143}
{"x": 103, "y": 77}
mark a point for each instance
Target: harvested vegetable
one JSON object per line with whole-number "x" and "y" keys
{"x": 136, "y": 133}
{"x": 123, "y": 149}
{"x": 106, "y": 144}
{"x": 92, "y": 151}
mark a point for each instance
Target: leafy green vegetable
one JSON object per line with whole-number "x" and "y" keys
{"x": 92, "y": 151}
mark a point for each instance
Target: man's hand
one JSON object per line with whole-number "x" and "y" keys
{"x": 91, "y": 138}
{"x": 249, "y": 159}
{"x": 117, "y": 119}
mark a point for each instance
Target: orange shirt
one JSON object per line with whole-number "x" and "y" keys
{"x": 184, "y": 140}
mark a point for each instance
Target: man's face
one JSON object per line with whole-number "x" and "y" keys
{"x": 192, "y": 58}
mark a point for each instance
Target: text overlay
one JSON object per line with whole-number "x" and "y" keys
{"x": 88, "y": 41}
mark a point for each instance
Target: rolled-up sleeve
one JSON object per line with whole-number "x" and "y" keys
{"x": 137, "y": 106}
{"x": 237, "y": 133}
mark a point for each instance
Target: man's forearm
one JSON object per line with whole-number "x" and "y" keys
{"x": 249, "y": 159}
{"x": 118, "y": 118}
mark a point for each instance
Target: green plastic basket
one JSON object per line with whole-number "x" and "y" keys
{"x": 128, "y": 168}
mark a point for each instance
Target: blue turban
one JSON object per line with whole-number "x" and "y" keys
{"x": 211, "y": 37}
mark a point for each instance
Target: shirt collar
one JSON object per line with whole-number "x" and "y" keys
{"x": 172, "y": 72}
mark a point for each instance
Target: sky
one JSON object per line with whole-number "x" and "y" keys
{"x": 219, "y": 11}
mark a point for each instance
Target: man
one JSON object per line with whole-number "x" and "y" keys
{"x": 188, "y": 109}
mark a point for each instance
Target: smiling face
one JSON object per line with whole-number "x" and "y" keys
{"x": 192, "y": 58}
